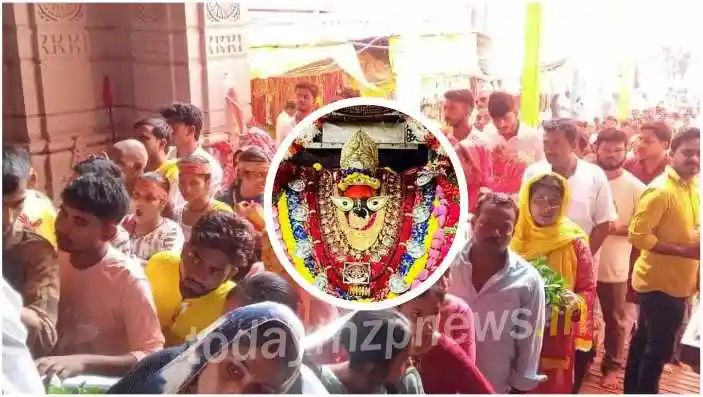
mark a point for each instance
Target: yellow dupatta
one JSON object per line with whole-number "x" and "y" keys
{"x": 554, "y": 243}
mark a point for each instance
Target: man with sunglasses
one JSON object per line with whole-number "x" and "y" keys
{"x": 591, "y": 203}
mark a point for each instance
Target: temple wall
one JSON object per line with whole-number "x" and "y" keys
{"x": 58, "y": 58}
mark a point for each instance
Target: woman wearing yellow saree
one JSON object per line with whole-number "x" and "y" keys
{"x": 544, "y": 232}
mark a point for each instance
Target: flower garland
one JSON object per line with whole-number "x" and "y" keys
{"x": 426, "y": 232}
{"x": 425, "y": 240}
{"x": 289, "y": 240}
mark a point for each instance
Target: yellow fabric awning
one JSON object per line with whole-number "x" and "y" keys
{"x": 272, "y": 62}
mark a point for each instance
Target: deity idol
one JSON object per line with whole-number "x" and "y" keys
{"x": 362, "y": 232}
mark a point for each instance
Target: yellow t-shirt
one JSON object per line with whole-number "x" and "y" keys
{"x": 169, "y": 169}
{"x": 668, "y": 211}
{"x": 220, "y": 206}
{"x": 39, "y": 214}
{"x": 181, "y": 318}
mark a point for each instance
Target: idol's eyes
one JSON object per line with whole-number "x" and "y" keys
{"x": 343, "y": 203}
{"x": 376, "y": 203}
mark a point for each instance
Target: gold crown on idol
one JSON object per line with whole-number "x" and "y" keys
{"x": 359, "y": 152}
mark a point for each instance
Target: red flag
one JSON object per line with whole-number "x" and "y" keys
{"x": 107, "y": 92}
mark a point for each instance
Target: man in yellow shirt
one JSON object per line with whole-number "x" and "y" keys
{"x": 191, "y": 291}
{"x": 666, "y": 230}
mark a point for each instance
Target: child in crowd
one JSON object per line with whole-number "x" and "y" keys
{"x": 149, "y": 231}
{"x": 194, "y": 178}
{"x": 378, "y": 346}
{"x": 444, "y": 366}
{"x": 263, "y": 287}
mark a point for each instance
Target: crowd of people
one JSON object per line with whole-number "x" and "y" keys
{"x": 156, "y": 267}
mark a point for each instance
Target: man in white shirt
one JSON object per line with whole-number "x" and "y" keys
{"x": 614, "y": 264}
{"x": 506, "y": 295}
{"x": 19, "y": 374}
{"x": 306, "y": 95}
{"x": 285, "y": 120}
{"x": 186, "y": 121}
{"x": 508, "y": 132}
{"x": 591, "y": 205}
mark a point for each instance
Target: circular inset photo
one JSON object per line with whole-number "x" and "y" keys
{"x": 363, "y": 204}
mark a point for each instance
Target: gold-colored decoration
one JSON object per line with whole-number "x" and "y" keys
{"x": 342, "y": 243}
{"x": 360, "y": 151}
{"x": 361, "y": 240}
{"x": 360, "y": 291}
{"x": 356, "y": 273}
{"x": 358, "y": 178}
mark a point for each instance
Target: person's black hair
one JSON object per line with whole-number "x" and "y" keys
{"x": 676, "y": 141}
{"x": 157, "y": 177}
{"x": 547, "y": 181}
{"x": 186, "y": 113}
{"x": 228, "y": 233}
{"x": 500, "y": 104}
{"x": 565, "y": 126}
{"x": 253, "y": 154}
{"x": 267, "y": 287}
{"x": 611, "y": 135}
{"x": 463, "y": 96}
{"x": 376, "y": 337}
{"x": 99, "y": 166}
{"x": 105, "y": 198}
{"x": 497, "y": 200}
{"x": 159, "y": 127}
{"x": 16, "y": 167}
{"x": 435, "y": 291}
{"x": 312, "y": 88}
{"x": 660, "y": 130}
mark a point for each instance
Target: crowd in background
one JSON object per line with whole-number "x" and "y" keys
{"x": 157, "y": 260}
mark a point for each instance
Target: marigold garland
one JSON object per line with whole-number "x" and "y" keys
{"x": 289, "y": 240}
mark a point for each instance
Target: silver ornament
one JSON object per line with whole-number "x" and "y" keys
{"x": 397, "y": 284}
{"x": 416, "y": 250}
{"x": 297, "y": 185}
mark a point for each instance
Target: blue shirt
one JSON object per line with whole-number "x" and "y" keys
{"x": 509, "y": 318}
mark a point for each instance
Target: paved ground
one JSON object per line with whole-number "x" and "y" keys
{"x": 675, "y": 380}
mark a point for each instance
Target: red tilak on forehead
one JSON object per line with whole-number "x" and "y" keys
{"x": 358, "y": 191}
{"x": 152, "y": 188}
{"x": 194, "y": 168}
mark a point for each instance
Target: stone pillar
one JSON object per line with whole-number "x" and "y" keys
{"x": 59, "y": 56}
{"x": 217, "y": 50}
{"x": 159, "y": 61}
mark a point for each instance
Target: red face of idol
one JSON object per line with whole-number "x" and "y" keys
{"x": 361, "y": 204}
